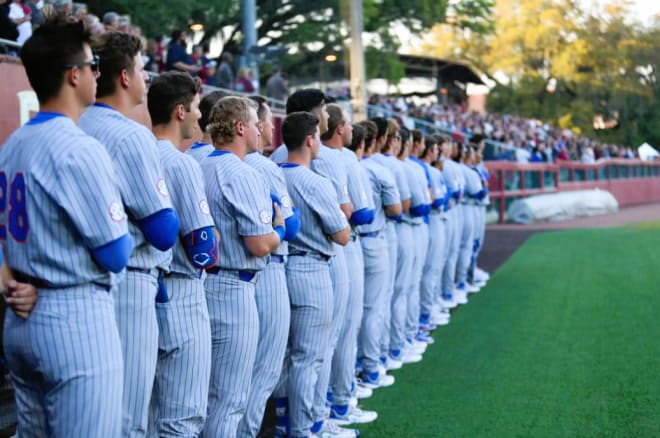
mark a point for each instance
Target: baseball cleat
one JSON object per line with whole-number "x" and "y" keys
{"x": 345, "y": 415}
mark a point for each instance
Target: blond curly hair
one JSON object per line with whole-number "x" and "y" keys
{"x": 224, "y": 115}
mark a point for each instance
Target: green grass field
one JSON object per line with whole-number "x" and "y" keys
{"x": 564, "y": 341}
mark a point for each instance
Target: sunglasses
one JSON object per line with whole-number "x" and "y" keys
{"x": 93, "y": 64}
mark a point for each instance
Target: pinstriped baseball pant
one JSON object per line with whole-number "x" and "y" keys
{"x": 234, "y": 337}
{"x": 66, "y": 365}
{"x": 392, "y": 252}
{"x": 138, "y": 330}
{"x": 340, "y": 288}
{"x": 466, "y": 232}
{"x": 310, "y": 290}
{"x": 453, "y": 243}
{"x": 376, "y": 298}
{"x": 184, "y": 359}
{"x": 420, "y": 249}
{"x": 274, "y": 308}
{"x": 401, "y": 286}
{"x": 343, "y": 362}
{"x": 431, "y": 277}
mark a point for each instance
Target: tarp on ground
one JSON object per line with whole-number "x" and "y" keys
{"x": 562, "y": 206}
{"x": 647, "y": 152}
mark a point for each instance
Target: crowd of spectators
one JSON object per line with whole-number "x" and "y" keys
{"x": 162, "y": 53}
{"x": 522, "y": 140}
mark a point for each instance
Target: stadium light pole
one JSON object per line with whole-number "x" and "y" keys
{"x": 358, "y": 73}
{"x": 250, "y": 33}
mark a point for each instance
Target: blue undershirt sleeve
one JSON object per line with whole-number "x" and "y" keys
{"x": 161, "y": 229}
{"x": 114, "y": 256}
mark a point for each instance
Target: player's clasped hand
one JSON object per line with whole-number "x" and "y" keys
{"x": 21, "y": 298}
{"x": 278, "y": 217}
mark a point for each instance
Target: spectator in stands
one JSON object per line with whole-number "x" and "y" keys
{"x": 124, "y": 24}
{"x": 200, "y": 60}
{"x": 588, "y": 156}
{"x": 177, "y": 54}
{"x": 110, "y": 21}
{"x": 79, "y": 11}
{"x": 37, "y": 16}
{"x": 226, "y": 72}
{"x": 63, "y": 7}
{"x": 276, "y": 87}
{"x": 8, "y": 29}
{"x": 243, "y": 83}
{"x": 22, "y": 20}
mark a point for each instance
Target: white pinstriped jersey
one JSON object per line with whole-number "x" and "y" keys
{"x": 144, "y": 192}
{"x": 320, "y": 215}
{"x": 484, "y": 172}
{"x": 279, "y": 155}
{"x": 452, "y": 173}
{"x": 200, "y": 150}
{"x": 396, "y": 167}
{"x": 240, "y": 205}
{"x": 184, "y": 178}
{"x": 329, "y": 163}
{"x": 359, "y": 188}
{"x": 275, "y": 179}
{"x": 419, "y": 192}
{"x": 383, "y": 190}
{"x": 59, "y": 198}
{"x": 438, "y": 186}
{"x": 472, "y": 182}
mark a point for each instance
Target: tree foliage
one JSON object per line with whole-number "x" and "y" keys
{"x": 308, "y": 28}
{"x": 602, "y": 61}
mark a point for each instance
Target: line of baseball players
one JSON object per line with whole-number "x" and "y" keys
{"x": 178, "y": 289}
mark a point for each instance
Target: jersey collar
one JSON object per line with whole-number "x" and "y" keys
{"x": 218, "y": 153}
{"x": 288, "y": 165}
{"x": 44, "y": 116}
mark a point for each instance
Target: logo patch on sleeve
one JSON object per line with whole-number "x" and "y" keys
{"x": 286, "y": 201}
{"x": 116, "y": 211}
{"x": 265, "y": 216}
{"x": 162, "y": 188}
{"x": 204, "y": 207}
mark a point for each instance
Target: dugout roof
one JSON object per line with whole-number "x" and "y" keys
{"x": 445, "y": 70}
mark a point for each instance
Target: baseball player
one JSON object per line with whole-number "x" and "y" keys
{"x": 184, "y": 339}
{"x": 242, "y": 211}
{"x": 308, "y": 273}
{"x": 453, "y": 178}
{"x": 420, "y": 207}
{"x": 387, "y": 202}
{"x": 472, "y": 191}
{"x": 435, "y": 258}
{"x": 153, "y": 223}
{"x": 201, "y": 149}
{"x": 64, "y": 231}
{"x": 343, "y": 363}
{"x": 272, "y": 296}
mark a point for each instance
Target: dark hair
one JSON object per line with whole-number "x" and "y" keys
{"x": 117, "y": 52}
{"x": 429, "y": 141}
{"x": 45, "y": 55}
{"x": 176, "y": 34}
{"x": 335, "y": 118}
{"x": 417, "y": 135}
{"x": 296, "y": 127}
{"x": 381, "y": 125}
{"x": 168, "y": 91}
{"x": 305, "y": 100}
{"x": 206, "y": 105}
{"x": 261, "y": 102}
{"x": 359, "y": 135}
{"x": 404, "y": 133}
{"x": 370, "y": 132}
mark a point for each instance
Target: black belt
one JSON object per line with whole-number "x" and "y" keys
{"x": 45, "y": 284}
{"x": 148, "y": 271}
{"x": 317, "y": 255}
{"x": 242, "y": 275}
{"x": 371, "y": 234}
{"x": 184, "y": 276}
{"x": 277, "y": 258}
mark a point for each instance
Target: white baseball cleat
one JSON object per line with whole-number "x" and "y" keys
{"x": 353, "y": 415}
